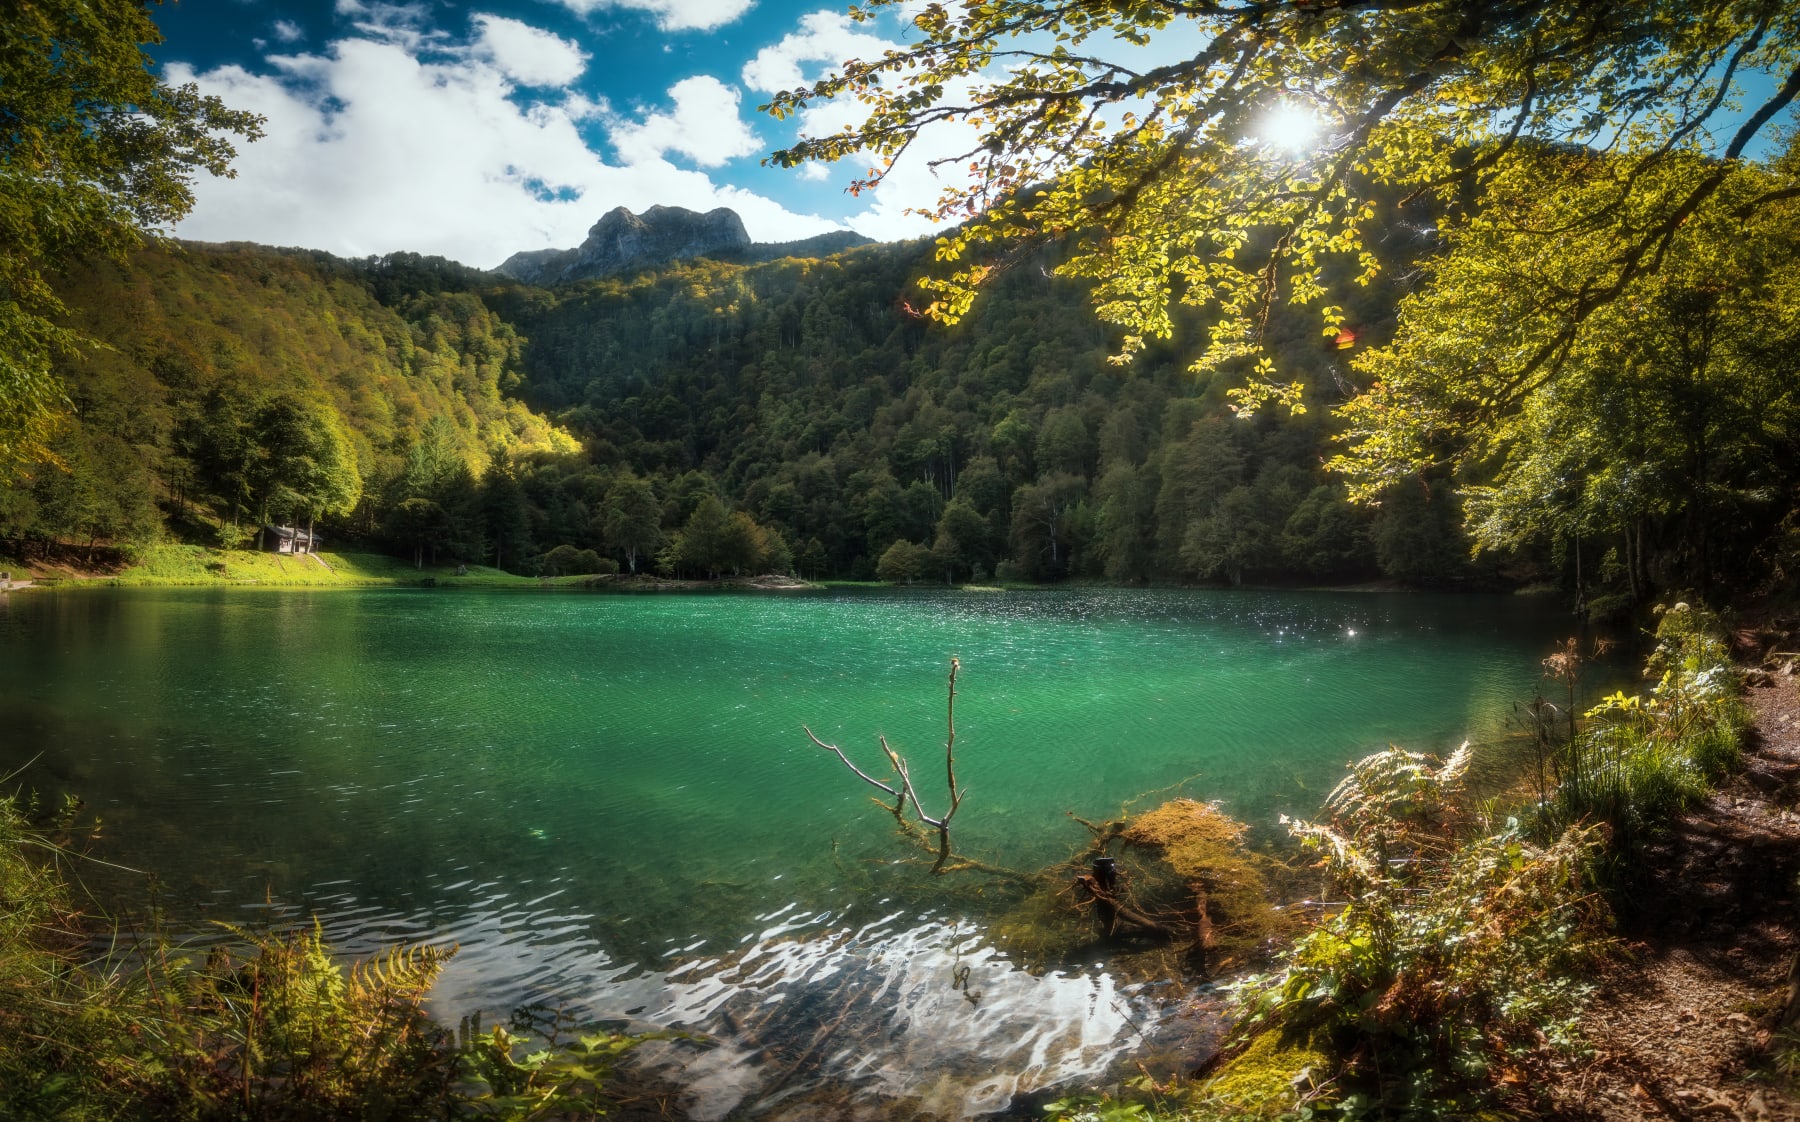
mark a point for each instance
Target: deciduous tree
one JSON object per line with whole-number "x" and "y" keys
{"x": 95, "y": 152}
{"x": 963, "y": 543}
{"x": 304, "y": 465}
{"x": 1046, "y": 526}
{"x": 701, "y": 545}
{"x": 1666, "y": 430}
{"x": 1165, "y": 175}
{"x": 633, "y": 519}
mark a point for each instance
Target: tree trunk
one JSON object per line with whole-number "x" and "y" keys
{"x": 1631, "y": 576}
{"x": 1790, "y": 1014}
{"x": 1580, "y": 596}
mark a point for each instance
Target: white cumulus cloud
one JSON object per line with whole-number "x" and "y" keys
{"x": 830, "y": 38}
{"x": 672, "y": 15}
{"x": 405, "y": 24}
{"x": 390, "y": 140}
{"x": 823, "y": 42}
{"x": 704, "y": 125}
{"x": 525, "y": 54}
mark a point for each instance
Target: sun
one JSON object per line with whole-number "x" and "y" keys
{"x": 1290, "y": 127}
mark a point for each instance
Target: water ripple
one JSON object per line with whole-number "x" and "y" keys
{"x": 608, "y": 803}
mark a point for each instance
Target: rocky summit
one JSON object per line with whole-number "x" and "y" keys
{"x": 622, "y": 241}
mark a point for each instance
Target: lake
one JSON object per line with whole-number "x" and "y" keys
{"x": 608, "y": 801}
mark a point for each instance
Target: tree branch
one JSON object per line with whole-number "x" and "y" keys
{"x": 946, "y": 859}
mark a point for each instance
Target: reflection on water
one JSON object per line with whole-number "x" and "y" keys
{"x": 606, "y": 801}
{"x": 803, "y": 1014}
{"x": 902, "y": 1008}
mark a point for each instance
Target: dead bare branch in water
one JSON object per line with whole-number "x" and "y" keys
{"x": 1180, "y": 873}
{"x": 905, "y": 795}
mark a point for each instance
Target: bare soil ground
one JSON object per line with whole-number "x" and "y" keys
{"x": 1683, "y": 1026}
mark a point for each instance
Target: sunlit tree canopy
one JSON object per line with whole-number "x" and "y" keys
{"x": 94, "y": 152}
{"x": 1141, "y": 136}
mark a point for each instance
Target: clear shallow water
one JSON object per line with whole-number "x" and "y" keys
{"x": 608, "y": 801}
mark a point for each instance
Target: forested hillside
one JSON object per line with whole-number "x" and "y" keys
{"x": 242, "y": 384}
{"x": 730, "y": 417}
{"x": 810, "y": 395}
{"x": 799, "y": 414}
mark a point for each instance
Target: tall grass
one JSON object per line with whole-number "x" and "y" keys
{"x": 198, "y": 565}
{"x": 1642, "y": 758}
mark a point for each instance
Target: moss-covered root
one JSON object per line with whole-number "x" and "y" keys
{"x": 1273, "y": 1077}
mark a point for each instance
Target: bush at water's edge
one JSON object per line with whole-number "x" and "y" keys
{"x": 271, "y": 1026}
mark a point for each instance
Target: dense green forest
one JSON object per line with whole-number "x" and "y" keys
{"x": 712, "y": 418}
{"x": 798, "y": 415}
{"x": 877, "y": 443}
{"x": 239, "y": 385}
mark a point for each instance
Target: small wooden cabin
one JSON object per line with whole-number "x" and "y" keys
{"x": 290, "y": 539}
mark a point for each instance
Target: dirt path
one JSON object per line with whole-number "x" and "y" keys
{"x": 1682, "y": 1024}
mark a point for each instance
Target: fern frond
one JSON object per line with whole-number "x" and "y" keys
{"x": 1450, "y": 774}
{"x": 404, "y": 972}
{"x": 1346, "y": 861}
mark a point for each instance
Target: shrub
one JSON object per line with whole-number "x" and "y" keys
{"x": 903, "y": 563}
{"x": 270, "y": 1027}
{"x": 230, "y": 535}
{"x": 563, "y": 1079}
{"x": 566, "y": 560}
{"x": 1453, "y": 956}
{"x": 1644, "y": 757}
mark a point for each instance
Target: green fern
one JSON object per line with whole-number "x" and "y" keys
{"x": 399, "y": 971}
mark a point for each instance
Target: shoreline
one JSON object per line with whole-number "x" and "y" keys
{"x": 190, "y": 566}
{"x": 182, "y": 566}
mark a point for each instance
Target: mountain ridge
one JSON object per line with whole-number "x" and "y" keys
{"x": 622, "y": 242}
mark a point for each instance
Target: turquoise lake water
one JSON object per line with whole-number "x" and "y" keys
{"x": 608, "y": 802}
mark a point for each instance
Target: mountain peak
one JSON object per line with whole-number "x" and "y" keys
{"x": 622, "y": 242}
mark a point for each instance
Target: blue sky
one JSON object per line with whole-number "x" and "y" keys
{"x": 477, "y": 130}
{"x": 473, "y": 131}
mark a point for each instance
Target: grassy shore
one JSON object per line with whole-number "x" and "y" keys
{"x": 199, "y": 566}
{"x": 194, "y": 566}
